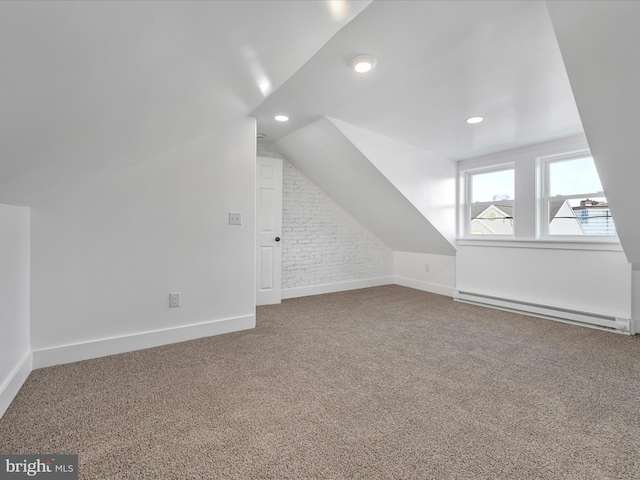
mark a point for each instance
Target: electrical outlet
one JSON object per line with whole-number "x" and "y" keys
{"x": 426, "y": 267}
{"x": 174, "y": 299}
{"x": 235, "y": 218}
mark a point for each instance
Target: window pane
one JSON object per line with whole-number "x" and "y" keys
{"x": 572, "y": 177}
{"x": 491, "y": 186}
{"x": 590, "y": 216}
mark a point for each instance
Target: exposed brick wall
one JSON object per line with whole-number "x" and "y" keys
{"x": 322, "y": 243}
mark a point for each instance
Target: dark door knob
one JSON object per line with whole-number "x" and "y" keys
{"x": 277, "y": 239}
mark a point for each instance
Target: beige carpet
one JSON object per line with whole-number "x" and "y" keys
{"x": 380, "y": 383}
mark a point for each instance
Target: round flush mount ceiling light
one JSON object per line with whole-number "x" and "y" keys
{"x": 362, "y": 63}
{"x": 476, "y": 119}
{"x": 281, "y": 118}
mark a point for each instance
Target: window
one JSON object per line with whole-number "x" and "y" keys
{"x": 572, "y": 200}
{"x": 545, "y": 193}
{"x": 489, "y": 205}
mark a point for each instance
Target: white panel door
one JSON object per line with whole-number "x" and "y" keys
{"x": 269, "y": 230}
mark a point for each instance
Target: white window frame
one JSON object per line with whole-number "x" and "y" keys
{"x": 527, "y": 163}
{"x": 466, "y": 204}
{"x": 544, "y": 197}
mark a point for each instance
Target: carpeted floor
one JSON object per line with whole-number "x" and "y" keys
{"x": 380, "y": 383}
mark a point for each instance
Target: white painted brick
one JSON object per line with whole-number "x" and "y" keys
{"x": 324, "y": 244}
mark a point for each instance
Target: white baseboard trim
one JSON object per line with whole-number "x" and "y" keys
{"x": 335, "y": 287}
{"x": 110, "y": 346}
{"x": 425, "y": 286}
{"x": 11, "y": 386}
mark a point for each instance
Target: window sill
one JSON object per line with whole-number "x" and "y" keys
{"x": 611, "y": 245}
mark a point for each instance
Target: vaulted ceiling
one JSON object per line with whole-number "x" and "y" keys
{"x": 89, "y": 88}
{"x": 438, "y": 63}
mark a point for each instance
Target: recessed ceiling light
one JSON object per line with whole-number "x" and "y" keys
{"x": 474, "y": 119}
{"x": 362, "y": 63}
{"x": 281, "y": 118}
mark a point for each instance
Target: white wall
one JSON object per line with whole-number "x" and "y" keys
{"x": 423, "y": 271}
{"x": 264, "y": 151}
{"x": 322, "y": 244}
{"x": 15, "y": 357}
{"x": 594, "y": 281}
{"x": 426, "y": 179}
{"x": 106, "y": 256}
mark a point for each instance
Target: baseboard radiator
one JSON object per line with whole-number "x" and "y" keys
{"x": 602, "y": 322}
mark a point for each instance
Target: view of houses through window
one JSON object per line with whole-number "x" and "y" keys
{"x": 571, "y": 199}
{"x": 491, "y": 208}
{"x": 574, "y": 201}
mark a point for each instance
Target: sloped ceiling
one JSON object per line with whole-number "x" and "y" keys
{"x": 428, "y": 181}
{"x": 88, "y": 88}
{"x": 438, "y": 63}
{"x": 323, "y": 153}
{"x": 599, "y": 42}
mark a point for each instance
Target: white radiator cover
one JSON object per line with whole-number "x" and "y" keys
{"x": 625, "y": 326}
